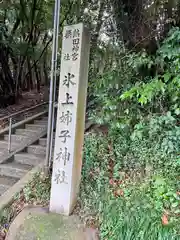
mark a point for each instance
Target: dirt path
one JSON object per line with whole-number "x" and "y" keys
{"x": 28, "y": 100}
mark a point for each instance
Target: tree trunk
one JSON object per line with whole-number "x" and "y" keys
{"x": 29, "y": 76}
{"x": 94, "y": 38}
{"x": 38, "y": 83}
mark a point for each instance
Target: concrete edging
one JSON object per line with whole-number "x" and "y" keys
{"x": 8, "y": 197}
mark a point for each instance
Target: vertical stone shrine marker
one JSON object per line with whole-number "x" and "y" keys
{"x": 67, "y": 160}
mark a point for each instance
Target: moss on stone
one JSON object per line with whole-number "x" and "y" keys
{"x": 46, "y": 226}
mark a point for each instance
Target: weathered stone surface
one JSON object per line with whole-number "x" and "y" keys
{"x": 28, "y": 159}
{"x": 70, "y": 125}
{"x": 14, "y": 170}
{"x": 38, "y": 224}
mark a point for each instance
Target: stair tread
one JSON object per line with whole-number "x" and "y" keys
{"x": 4, "y": 146}
{"x": 46, "y": 138}
{"x": 6, "y": 143}
{"x": 28, "y": 155}
{"x": 36, "y": 146}
{"x": 15, "y": 165}
{"x": 14, "y": 134}
{"x": 40, "y": 121}
{"x": 42, "y": 139}
{"x": 18, "y": 135}
{"x": 28, "y": 159}
{"x": 7, "y": 181}
{"x": 26, "y": 130}
{"x": 36, "y": 125}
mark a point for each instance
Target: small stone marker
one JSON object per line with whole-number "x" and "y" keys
{"x": 70, "y": 119}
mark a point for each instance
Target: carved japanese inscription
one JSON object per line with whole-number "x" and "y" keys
{"x": 67, "y": 159}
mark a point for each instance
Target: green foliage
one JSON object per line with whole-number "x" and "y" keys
{"x": 139, "y": 99}
{"x": 162, "y": 130}
{"x": 140, "y": 85}
{"x": 38, "y": 190}
{"x": 6, "y": 216}
{"x": 96, "y": 160}
{"x": 121, "y": 220}
{"x": 128, "y": 207}
{"x": 145, "y": 92}
{"x": 165, "y": 85}
{"x": 163, "y": 194}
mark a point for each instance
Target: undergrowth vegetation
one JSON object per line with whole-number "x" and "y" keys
{"x": 131, "y": 178}
{"x": 130, "y": 197}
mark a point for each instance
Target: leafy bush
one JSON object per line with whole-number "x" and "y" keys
{"x": 38, "y": 190}
{"x": 139, "y": 206}
{"x": 94, "y": 174}
{"x": 140, "y": 86}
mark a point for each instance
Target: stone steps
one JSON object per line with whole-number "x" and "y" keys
{"x": 16, "y": 138}
{"x": 37, "y": 150}
{"x": 13, "y": 169}
{"x": 43, "y": 142}
{"x": 25, "y": 132}
{"x": 39, "y": 122}
{"x": 6, "y": 183}
{"x": 36, "y": 127}
{"x": 4, "y": 144}
{"x": 30, "y": 156}
{"x": 45, "y": 118}
{"x": 28, "y": 159}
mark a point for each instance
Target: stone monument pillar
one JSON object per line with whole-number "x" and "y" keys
{"x": 69, "y": 138}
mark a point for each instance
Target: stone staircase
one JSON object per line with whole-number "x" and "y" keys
{"x": 17, "y": 166}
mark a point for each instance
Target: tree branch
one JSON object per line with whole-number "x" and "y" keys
{"x": 50, "y": 40}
